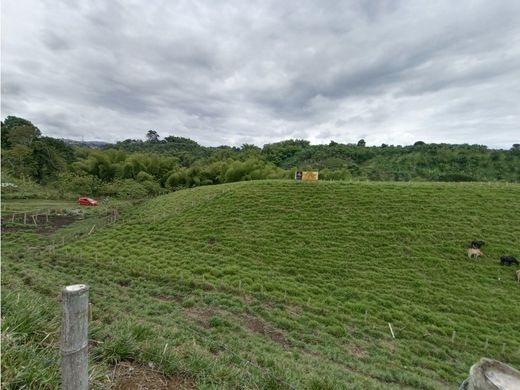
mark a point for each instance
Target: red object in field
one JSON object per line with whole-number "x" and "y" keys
{"x": 87, "y": 201}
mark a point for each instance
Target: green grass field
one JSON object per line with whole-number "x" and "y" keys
{"x": 279, "y": 285}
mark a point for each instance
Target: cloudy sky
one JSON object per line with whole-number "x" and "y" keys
{"x": 234, "y": 72}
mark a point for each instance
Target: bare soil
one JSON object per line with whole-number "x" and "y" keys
{"x": 252, "y": 323}
{"x": 128, "y": 376}
{"x": 164, "y": 297}
{"x": 258, "y": 325}
{"x": 44, "y": 225}
{"x": 201, "y": 316}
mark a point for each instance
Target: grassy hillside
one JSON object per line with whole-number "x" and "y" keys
{"x": 283, "y": 285}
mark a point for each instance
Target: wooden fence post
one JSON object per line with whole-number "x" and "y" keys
{"x": 391, "y": 330}
{"x": 74, "y": 338}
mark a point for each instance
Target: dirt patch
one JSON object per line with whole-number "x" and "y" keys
{"x": 129, "y": 376}
{"x": 201, "y": 316}
{"x": 356, "y": 350}
{"x": 124, "y": 282}
{"x": 258, "y": 325}
{"x": 10, "y": 228}
{"x": 165, "y": 297}
{"x": 57, "y": 221}
{"x": 44, "y": 224}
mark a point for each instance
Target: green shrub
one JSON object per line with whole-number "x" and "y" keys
{"x": 28, "y": 189}
{"x": 143, "y": 176}
{"x": 78, "y": 184}
{"x": 456, "y": 177}
{"x": 125, "y": 189}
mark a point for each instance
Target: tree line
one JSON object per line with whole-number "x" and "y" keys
{"x": 136, "y": 168}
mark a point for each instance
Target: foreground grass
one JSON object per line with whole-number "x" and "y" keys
{"x": 292, "y": 285}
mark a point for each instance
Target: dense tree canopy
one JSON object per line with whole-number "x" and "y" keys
{"x": 154, "y": 166}
{"x": 152, "y": 136}
{"x": 18, "y": 131}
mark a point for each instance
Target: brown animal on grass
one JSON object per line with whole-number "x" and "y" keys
{"x": 518, "y": 275}
{"x": 474, "y": 252}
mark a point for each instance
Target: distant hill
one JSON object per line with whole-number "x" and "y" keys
{"x": 336, "y": 161}
{"x": 176, "y": 162}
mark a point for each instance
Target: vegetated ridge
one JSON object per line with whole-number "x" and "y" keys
{"x": 38, "y": 164}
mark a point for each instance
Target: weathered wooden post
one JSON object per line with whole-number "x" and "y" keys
{"x": 74, "y": 338}
{"x": 391, "y": 330}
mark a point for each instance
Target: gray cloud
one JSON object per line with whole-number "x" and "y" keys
{"x": 387, "y": 71}
{"x": 54, "y": 42}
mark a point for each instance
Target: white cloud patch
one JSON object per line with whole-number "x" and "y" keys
{"x": 230, "y": 73}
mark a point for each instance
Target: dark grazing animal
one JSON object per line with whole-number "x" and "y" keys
{"x": 477, "y": 244}
{"x": 508, "y": 260}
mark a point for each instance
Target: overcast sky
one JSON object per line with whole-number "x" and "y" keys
{"x": 234, "y": 72}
